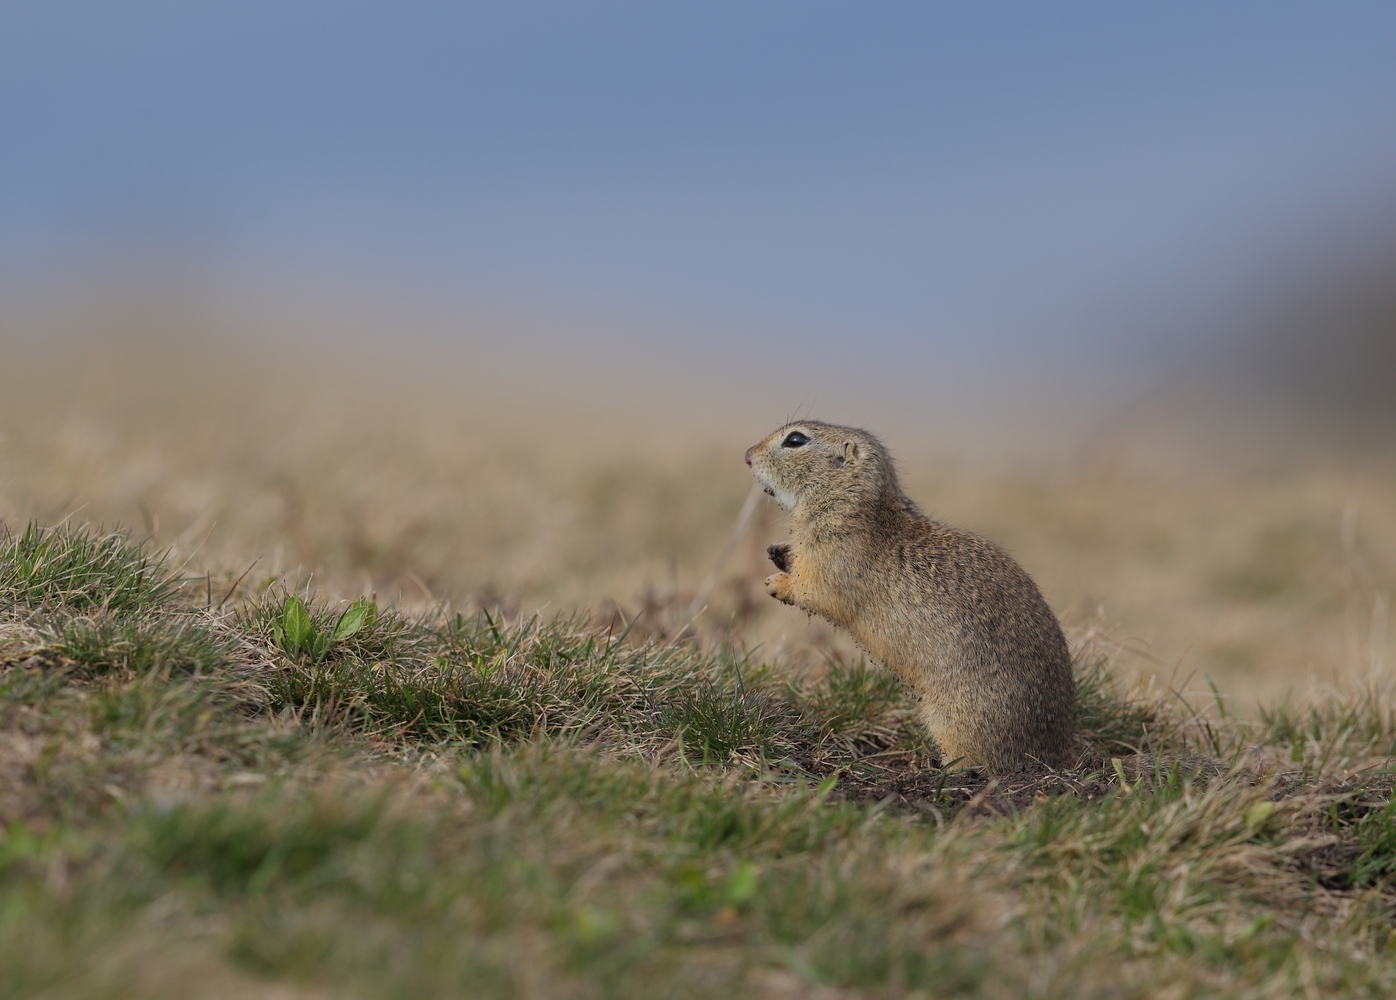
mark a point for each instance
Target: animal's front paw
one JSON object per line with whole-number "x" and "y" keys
{"x": 779, "y": 586}
{"x": 781, "y": 556}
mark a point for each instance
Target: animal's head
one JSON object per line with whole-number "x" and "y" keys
{"x": 813, "y": 468}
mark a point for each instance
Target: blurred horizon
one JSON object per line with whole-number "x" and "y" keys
{"x": 915, "y": 194}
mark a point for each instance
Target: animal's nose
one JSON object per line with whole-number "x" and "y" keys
{"x": 748, "y": 455}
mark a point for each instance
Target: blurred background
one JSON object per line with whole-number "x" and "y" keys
{"x": 483, "y": 302}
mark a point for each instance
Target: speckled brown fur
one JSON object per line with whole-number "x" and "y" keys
{"x": 948, "y": 611}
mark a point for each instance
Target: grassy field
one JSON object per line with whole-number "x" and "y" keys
{"x": 211, "y": 789}
{"x": 431, "y": 683}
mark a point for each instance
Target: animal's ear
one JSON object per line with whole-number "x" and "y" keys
{"x": 850, "y": 454}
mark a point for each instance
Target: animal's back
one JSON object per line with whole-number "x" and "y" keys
{"x": 1004, "y": 680}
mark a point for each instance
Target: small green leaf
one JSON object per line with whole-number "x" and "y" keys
{"x": 319, "y": 645}
{"x": 691, "y": 881}
{"x": 355, "y": 617}
{"x": 1119, "y": 767}
{"x": 741, "y": 884}
{"x": 296, "y": 621}
{"x": 592, "y": 927}
{"x": 1258, "y": 813}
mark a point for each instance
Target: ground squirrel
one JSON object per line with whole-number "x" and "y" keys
{"x": 948, "y": 611}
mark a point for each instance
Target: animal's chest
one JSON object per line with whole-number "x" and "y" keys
{"x": 899, "y": 633}
{"x": 892, "y": 604}
{"x": 910, "y": 625}
{"x": 834, "y": 584}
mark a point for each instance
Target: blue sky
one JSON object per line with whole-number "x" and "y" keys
{"x": 967, "y": 177}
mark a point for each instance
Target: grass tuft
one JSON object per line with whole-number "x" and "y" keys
{"x": 83, "y": 570}
{"x": 247, "y": 847}
{"x": 168, "y": 645}
{"x": 1111, "y": 722}
{"x": 721, "y": 722}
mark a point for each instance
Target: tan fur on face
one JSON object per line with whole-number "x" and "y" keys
{"x": 948, "y": 611}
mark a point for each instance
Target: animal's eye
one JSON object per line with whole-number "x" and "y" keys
{"x": 794, "y": 440}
